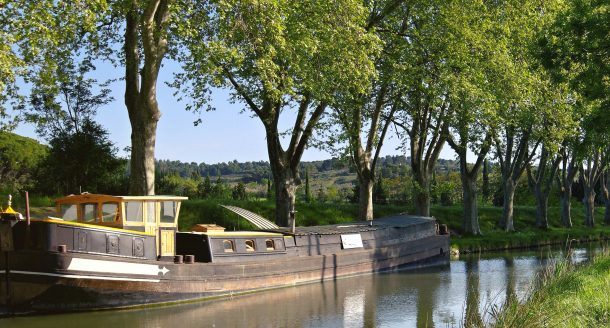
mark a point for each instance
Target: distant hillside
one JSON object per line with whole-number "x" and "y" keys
{"x": 331, "y": 171}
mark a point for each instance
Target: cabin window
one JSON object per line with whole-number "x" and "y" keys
{"x": 150, "y": 212}
{"x": 168, "y": 211}
{"x": 250, "y": 245}
{"x": 228, "y": 246}
{"x": 133, "y": 211}
{"x": 89, "y": 212}
{"x": 69, "y": 212}
{"x": 110, "y": 212}
{"x": 270, "y": 244}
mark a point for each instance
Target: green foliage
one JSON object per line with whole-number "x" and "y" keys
{"x": 175, "y": 185}
{"x": 380, "y": 191}
{"x": 239, "y": 192}
{"x": 447, "y": 189}
{"x": 268, "y": 51}
{"x": 82, "y": 161}
{"x": 19, "y": 161}
{"x": 308, "y": 196}
{"x": 575, "y": 47}
{"x": 32, "y": 34}
{"x": 204, "y": 189}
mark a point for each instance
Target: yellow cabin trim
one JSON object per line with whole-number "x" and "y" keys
{"x": 8, "y": 210}
{"x": 96, "y": 226}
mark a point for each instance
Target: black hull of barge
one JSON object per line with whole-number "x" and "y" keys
{"x": 55, "y": 282}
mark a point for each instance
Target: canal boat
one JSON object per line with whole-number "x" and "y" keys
{"x": 102, "y": 251}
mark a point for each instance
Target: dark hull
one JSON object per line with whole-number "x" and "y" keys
{"x": 58, "y": 282}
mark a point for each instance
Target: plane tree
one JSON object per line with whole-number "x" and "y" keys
{"x": 558, "y": 126}
{"x": 479, "y": 49}
{"x": 575, "y": 51}
{"x": 533, "y": 114}
{"x": 142, "y": 28}
{"x": 358, "y": 125}
{"x": 282, "y": 60}
{"x": 423, "y": 104}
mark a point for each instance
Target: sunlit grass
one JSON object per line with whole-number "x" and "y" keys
{"x": 564, "y": 296}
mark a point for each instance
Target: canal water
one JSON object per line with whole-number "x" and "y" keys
{"x": 471, "y": 286}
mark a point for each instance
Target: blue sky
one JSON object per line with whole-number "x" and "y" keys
{"x": 224, "y": 135}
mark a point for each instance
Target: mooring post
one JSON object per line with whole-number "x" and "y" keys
{"x": 292, "y": 221}
{"x": 27, "y": 207}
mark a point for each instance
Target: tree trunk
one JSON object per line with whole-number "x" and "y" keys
{"x": 606, "y": 194}
{"x": 470, "y": 223}
{"x": 542, "y": 205}
{"x": 540, "y": 181}
{"x": 565, "y": 179}
{"x": 285, "y": 164}
{"x": 565, "y": 196}
{"x": 589, "y": 202}
{"x": 285, "y": 198}
{"x": 365, "y": 202}
{"x": 422, "y": 195}
{"x": 486, "y": 189}
{"x": 506, "y": 221}
{"x": 590, "y": 175}
{"x": 144, "y": 49}
{"x": 142, "y": 164}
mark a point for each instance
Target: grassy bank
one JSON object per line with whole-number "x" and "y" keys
{"x": 527, "y": 235}
{"x": 566, "y": 296}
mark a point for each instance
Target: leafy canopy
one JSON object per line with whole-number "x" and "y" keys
{"x": 276, "y": 51}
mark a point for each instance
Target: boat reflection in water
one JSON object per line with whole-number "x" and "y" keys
{"x": 433, "y": 297}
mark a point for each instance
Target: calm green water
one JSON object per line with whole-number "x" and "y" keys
{"x": 438, "y": 297}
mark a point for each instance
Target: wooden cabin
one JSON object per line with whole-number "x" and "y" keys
{"x": 154, "y": 215}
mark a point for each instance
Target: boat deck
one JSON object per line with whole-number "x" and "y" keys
{"x": 396, "y": 221}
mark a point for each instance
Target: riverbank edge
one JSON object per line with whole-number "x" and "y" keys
{"x": 471, "y": 246}
{"x": 566, "y": 295}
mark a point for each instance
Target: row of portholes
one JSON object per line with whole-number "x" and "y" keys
{"x": 229, "y": 245}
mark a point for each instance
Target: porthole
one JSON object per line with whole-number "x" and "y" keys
{"x": 250, "y": 245}
{"x": 270, "y": 244}
{"x": 228, "y": 246}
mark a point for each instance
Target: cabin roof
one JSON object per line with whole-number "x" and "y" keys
{"x": 240, "y": 234}
{"x": 395, "y": 221}
{"x": 100, "y": 197}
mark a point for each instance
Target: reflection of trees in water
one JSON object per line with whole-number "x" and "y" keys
{"x": 370, "y": 304}
{"x": 426, "y": 291}
{"x": 509, "y": 269}
{"x": 472, "y": 317}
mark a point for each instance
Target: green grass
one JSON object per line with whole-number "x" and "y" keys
{"x": 565, "y": 296}
{"x": 527, "y": 235}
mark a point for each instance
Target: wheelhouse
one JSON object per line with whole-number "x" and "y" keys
{"x": 156, "y": 215}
